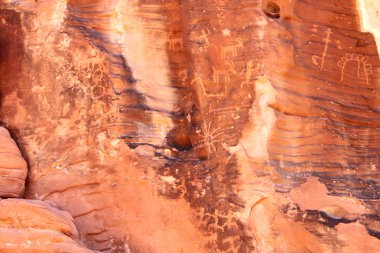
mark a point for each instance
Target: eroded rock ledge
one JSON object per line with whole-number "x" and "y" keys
{"x": 30, "y": 225}
{"x": 13, "y": 168}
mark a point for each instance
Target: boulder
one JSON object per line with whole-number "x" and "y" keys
{"x": 34, "y": 226}
{"x": 30, "y": 240}
{"x": 22, "y": 213}
{"x": 13, "y": 168}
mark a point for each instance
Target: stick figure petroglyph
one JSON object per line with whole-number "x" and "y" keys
{"x": 320, "y": 60}
{"x": 203, "y": 39}
{"x": 249, "y": 72}
{"x": 338, "y": 44}
{"x": 363, "y": 66}
{"x": 183, "y": 74}
{"x": 198, "y": 81}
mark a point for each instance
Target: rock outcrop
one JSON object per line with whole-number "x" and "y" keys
{"x": 36, "y": 214}
{"x": 29, "y": 240}
{"x": 198, "y": 126}
{"x": 34, "y": 226}
{"x": 13, "y": 168}
{"x": 30, "y": 225}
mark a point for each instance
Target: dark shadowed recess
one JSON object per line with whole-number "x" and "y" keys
{"x": 11, "y": 59}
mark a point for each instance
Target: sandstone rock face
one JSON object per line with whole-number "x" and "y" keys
{"x": 19, "y": 213}
{"x": 370, "y": 18}
{"x": 13, "y": 168}
{"x": 197, "y": 126}
{"x": 30, "y": 225}
{"x": 34, "y": 226}
{"x": 28, "y": 240}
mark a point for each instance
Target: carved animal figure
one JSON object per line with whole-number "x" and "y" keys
{"x": 174, "y": 41}
{"x": 223, "y": 73}
{"x": 231, "y": 49}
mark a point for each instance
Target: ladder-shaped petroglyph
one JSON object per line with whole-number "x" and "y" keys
{"x": 221, "y": 13}
{"x": 363, "y": 66}
{"x": 175, "y": 42}
{"x": 231, "y": 50}
{"x": 223, "y": 73}
{"x": 319, "y": 61}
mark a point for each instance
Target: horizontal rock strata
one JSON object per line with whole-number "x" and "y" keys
{"x": 34, "y": 226}
{"x": 197, "y": 126}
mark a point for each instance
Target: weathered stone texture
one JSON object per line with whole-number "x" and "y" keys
{"x": 198, "y": 126}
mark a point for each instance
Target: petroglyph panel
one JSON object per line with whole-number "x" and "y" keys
{"x": 198, "y": 126}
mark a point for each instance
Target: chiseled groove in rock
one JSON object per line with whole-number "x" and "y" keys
{"x": 89, "y": 212}
{"x": 83, "y": 185}
{"x": 97, "y": 233}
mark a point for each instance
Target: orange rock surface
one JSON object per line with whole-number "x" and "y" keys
{"x": 34, "y": 226}
{"x": 194, "y": 126}
{"x": 13, "y": 168}
{"x": 19, "y": 213}
{"x": 30, "y": 225}
{"x": 28, "y": 240}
